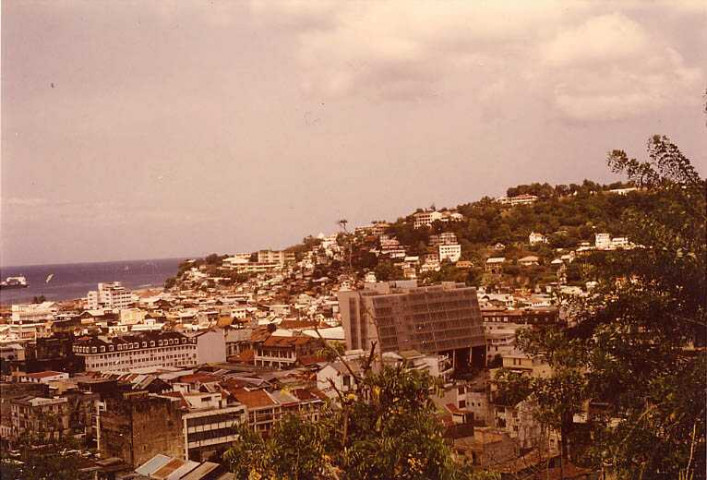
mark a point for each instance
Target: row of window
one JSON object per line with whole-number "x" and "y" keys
{"x": 134, "y": 345}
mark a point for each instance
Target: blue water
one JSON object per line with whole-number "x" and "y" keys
{"x": 74, "y": 280}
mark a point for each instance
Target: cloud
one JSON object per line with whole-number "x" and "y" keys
{"x": 398, "y": 49}
{"x": 601, "y": 39}
{"x": 590, "y": 61}
{"x": 610, "y": 67}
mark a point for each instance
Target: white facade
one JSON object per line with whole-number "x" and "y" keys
{"x": 33, "y": 313}
{"x": 450, "y": 252}
{"x": 518, "y": 200}
{"x": 272, "y": 256}
{"x": 210, "y": 346}
{"x": 209, "y": 422}
{"x": 620, "y": 242}
{"x": 109, "y": 295}
{"x": 602, "y": 241}
{"x": 124, "y": 353}
{"x": 534, "y": 238}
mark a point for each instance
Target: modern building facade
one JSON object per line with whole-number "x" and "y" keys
{"x": 400, "y": 316}
{"x": 109, "y": 295}
{"x": 280, "y": 257}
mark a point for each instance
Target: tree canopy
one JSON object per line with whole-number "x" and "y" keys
{"x": 636, "y": 346}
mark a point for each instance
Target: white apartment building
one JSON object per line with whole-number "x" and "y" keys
{"x": 280, "y": 257}
{"x": 450, "y": 252}
{"x": 109, "y": 295}
{"x": 30, "y": 321}
{"x": 524, "y": 199}
{"x": 620, "y": 242}
{"x": 33, "y": 313}
{"x": 427, "y": 218}
{"x": 534, "y": 238}
{"x": 445, "y": 238}
{"x": 149, "y": 349}
{"x": 602, "y": 241}
{"x": 209, "y": 423}
{"x": 255, "y": 267}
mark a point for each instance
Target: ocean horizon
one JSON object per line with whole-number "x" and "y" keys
{"x": 73, "y": 280}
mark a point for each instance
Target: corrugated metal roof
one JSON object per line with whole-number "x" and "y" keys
{"x": 153, "y": 464}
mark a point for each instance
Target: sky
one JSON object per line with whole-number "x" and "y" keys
{"x": 157, "y": 129}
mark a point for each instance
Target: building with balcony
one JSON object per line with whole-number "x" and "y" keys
{"x": 209, "y": 423}
{"x": 109, "y": 295}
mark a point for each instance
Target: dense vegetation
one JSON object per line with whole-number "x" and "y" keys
{"x": 632, "y": 350}
{"x": 387, "y": 429}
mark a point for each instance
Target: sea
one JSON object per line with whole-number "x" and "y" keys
{"x": 74, "y": 280}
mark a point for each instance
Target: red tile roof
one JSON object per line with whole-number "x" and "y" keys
{"x": 253, "y": 399}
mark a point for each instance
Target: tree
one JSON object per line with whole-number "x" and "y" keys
{"x": 630, "y": 345}
{"x": 388, "y": 429}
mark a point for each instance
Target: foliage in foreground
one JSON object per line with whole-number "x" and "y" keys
{"x": 387, "y": 430}
{"x": 631, "y": 348}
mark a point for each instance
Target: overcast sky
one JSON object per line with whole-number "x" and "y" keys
{"x": 141, "y": 129}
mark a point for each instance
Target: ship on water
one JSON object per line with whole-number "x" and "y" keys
{"x": 14, "y": 282}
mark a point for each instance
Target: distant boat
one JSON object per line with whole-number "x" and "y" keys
{"x": 49, "y": 278}
{"x": 14, "y": 282}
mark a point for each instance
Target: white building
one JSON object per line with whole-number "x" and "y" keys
{"x": 209, "y": 423}
{"x": 534, "y": 238}
{"x": 427, "y": 218}
{"x": 210, "y": 346}
{"x": 620, "y": 242}
{"x": 30, "y": 321}
{"x": 602, "y": 241}
{"x": 149, "y": 349}
{"x": 445, "y": 238}
{"x": 109, "y": 295}
{"x": 33, "y": 313}
{"x": 450, "y": 252}
{"x": 524, "y": 199}
{"x": 272, "y": 256}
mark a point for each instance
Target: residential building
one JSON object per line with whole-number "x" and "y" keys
{"x": 620, "y": 243}
{"x": 210, "y": 346}
{"x": 43, "y": 417}
{"x": 451, "y": 252}
{"x": 529, "y": 261}
{"x": 445, "y": 238}
{"x": 273, "y": 256}
{"x": 23, "y": 314}
{"x": 426, "y": 218}
{"x": 109, "y": 295}
{"x": 30, "y": 321}
{"x": 524, "y": 199}
{"x": 535, "y": 238}
{"x": 149, "y": 349}
{"x": 399, "y": 316}
{"x": 602, "y": 241}
{"x": 284, "y": 352}
{"x": 391, "y": 246}
{"x": 208, "y": 423}
{"x": 266, "y": 408}
{"x": 495, "y": 265}
{"x": 42, "y": 377}
{"x": 340, "y": 376}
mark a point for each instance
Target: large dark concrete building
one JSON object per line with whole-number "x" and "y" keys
{"x": 400, "y": 316}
